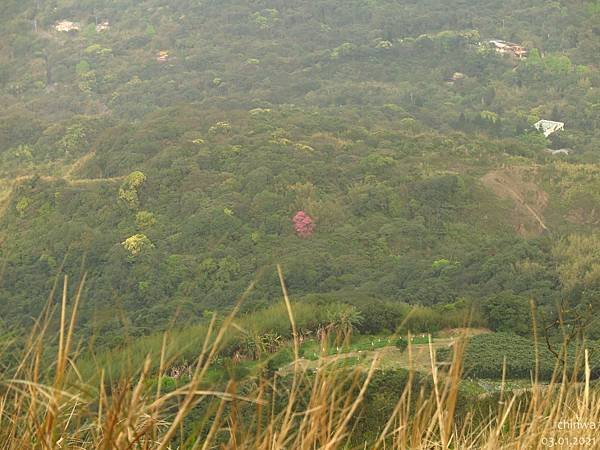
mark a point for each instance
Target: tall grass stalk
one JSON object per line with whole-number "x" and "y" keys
{"x": 51, "y": 406}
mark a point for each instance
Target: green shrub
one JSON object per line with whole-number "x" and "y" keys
{"x": 401, "y": 344}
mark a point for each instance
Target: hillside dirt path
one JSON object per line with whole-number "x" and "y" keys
{"x": 510, "y": 183}
{"x": 390, "y": 357}
{"x": 68, "y": 177}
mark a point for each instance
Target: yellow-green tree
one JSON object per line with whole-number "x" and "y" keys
{"x": 130, "y": 188}
{"x": 137, "y": 243}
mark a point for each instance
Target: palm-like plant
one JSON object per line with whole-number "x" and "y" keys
{"x": 271, "y": 342}
{"x": 342, "y": 320}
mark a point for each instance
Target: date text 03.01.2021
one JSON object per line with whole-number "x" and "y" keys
{"x": 562, "y": 442}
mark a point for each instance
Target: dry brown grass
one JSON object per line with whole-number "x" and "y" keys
{"x": 315, "y": 410}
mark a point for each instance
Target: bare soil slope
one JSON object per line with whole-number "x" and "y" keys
{"x": 518, "y": 184}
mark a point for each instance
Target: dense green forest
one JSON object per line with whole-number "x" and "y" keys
{"x": 166, "y": 153}
{"x": 171, "y": 169}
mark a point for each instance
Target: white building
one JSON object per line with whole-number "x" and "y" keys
{"x": 102, "y": 27}
{"x": 509, "y": 48}
{"x": 548, "y": 126}
{"x": 66, "y": 26}
{"x": 163, "y": 56}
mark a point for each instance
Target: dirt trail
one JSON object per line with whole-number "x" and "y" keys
{"x": 390, "y": 357}
{"x": 529, "y": 199}
{"x": 70, "y": 181}
{"x": 68, "y": 177}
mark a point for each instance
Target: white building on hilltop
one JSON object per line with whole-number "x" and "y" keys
{"x": 549, "y": 126}
{"x": 103, "y": 26}
{"x": 66, "y": 26}
{"x": 509, "y": 48}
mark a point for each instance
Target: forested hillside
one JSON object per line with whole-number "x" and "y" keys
{"x": 164, "y": 148}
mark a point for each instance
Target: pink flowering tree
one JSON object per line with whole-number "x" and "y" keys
{"x": 303, "y": 224}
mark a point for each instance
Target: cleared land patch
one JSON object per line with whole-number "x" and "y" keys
{"x": 515, "y": 183}
{"x": 416, "y": 357}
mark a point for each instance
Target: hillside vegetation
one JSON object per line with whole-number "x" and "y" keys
{"x": 422, "y": 191}
{"x": 183, "y": 161}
